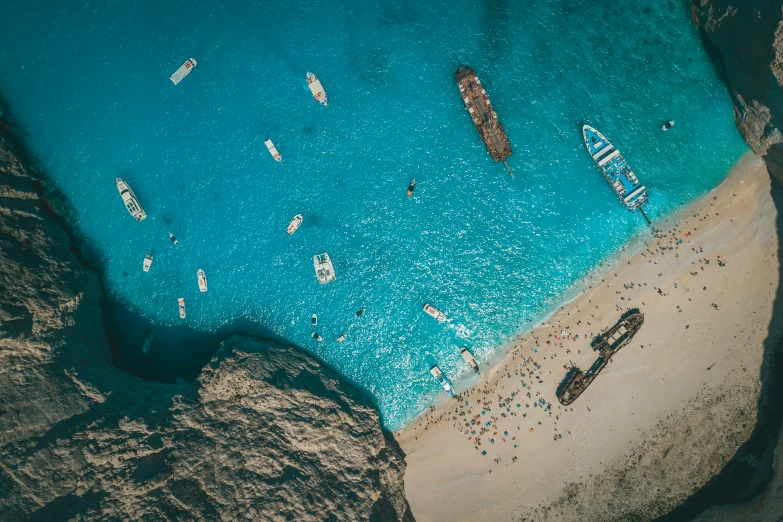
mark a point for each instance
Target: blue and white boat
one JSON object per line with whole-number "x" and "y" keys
{"x": 616, "y": 170}
{"x": 442, "y": 380}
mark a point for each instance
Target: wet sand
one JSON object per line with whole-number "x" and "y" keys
{"x": 660, "y": 419}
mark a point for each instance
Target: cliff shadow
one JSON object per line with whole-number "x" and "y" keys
{"x": 749, "y": 471}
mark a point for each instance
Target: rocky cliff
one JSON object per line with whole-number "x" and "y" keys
{"x": 745, "y": 37}
{"x": 265, "y": 433}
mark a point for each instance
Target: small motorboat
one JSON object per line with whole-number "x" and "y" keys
{"x": 434, "y": 312}
{"x": 273, "y": 150}
{"x": 181, "y": 302}
{"x": 183, "y": 71}
{"x": 296, "y": 221}
{"x": 442, "y": 380}
{"x": 147, "y": 262}
{"x": 342, "y": 338}
{"x": 324, "y": 270}
{"x": 314, "y": 319}
{"x": 317, "y": 90}
{"x": 468, "y": 358}
{"x": 411, "y": 187}
{"x": 202, "y": 280}
{"x": 360, "y": 313}
{"x": 668, "y": 125}
{"x": 173, "y": 239}
{"x": 147, "y": 345}
{"x": 317, "y": 337}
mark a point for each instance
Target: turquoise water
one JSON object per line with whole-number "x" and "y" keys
{"x": 89, "y": 81}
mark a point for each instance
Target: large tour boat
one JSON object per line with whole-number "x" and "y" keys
{"x": 317, "y": 89}
{"x": 129, "y": 198}
{"x": 483, "y": 114}
{"x": 433, "y": 312}
{"x": 147, "y": 262}
{"x": 469, "y": 359}
{"x": 202, "y": 280}
{"x": 324, "y": 270}
{"x": 273, "y": 150}
{"x": 183, "y": 71}
{"x": 616, "y": 170}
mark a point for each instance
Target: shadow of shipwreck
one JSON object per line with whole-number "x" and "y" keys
{"x": 749, "y": 471}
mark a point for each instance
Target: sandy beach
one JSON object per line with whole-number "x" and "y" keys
{"x": 659, "y": 421}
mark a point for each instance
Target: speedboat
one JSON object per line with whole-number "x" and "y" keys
{"x": 668, "y": 125}
{"x": 342, "y": 338}
{"x": 360, "y": 313}
{"x": 317, "y": 89}
{"x": 181, "y": 303}
{"x": 434, "y": 312}
{"x": 317, "y": 337}
{"x": 147, "y": 345}
{"x": 273, "y": 150}
{"x": 202, "y": 280}
{"x": 324, "y": 270}
{"x": 173, "y": 239}
{"x": 183, "y": 70}
{"x": 468, "y": 358}
{"x": 130, "y": 200}
{"x": 442, "y": 380}
{"x": 314, "y": 320}
{"x": 147, "y": 262}
{"x": 411, "y": 187}
{"x": 296, "y": 221}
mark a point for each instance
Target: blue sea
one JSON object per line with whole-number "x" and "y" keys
{"x": 89, "y": 83}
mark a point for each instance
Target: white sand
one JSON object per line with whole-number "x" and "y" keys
{"x": 659, "y": 422}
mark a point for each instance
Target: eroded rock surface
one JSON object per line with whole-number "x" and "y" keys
{"x": 265, "y": 433}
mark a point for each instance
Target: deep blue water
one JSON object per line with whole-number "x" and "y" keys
{"x": 89, "y": 81}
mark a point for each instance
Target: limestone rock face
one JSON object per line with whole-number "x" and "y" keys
{"x": 746, "y": 38}
{"x": 265, "y": 433}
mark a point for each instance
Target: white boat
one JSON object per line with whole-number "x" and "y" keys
{"x": 202, "y": 280}
{"x": 294, "y": 224}
{"x": 442, "y": 380}
{"x": 342, "y": 338}
{"x": 314, "y": 320}
{"x": 317, "y": 89}
{"x": 324, "y": 270}
{"x": 173, "y": 239}
{"x": 317, "y": 337}
{"x": 147, "y": 262}
{"x": 129, "y": 198}
{"x": 434, "y": 312}
{"x": 183, "y": 71}
{"x": 272, "y": 150}
{"x": 469, "y": 359}
{"x": 147, "y": 345}
{"x": 181, "y": 302}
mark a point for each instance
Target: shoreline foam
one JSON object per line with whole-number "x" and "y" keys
{"x": 644, "y": 390}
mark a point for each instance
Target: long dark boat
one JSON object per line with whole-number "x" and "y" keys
{"x": 484, "y": 117}
{"x": 607, "y": 344}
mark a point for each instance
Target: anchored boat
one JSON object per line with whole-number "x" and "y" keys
{"x": 202, "y": 280}
{"x": 468, "y": 358}
{"x": 294, "y": 224}
{"x": 317, "y": 89}
{"x": 342, "y": 338}
{"x": 147, "y": 345}
{"x": 442, "y": 380}
{"x": 411, "y": 187}
{"x": 484, "y": 117}
{"x": 147, "y": 262}
{"x": 314, "y": 320}
{"x": 181, "y": 303}
{"x": 324, "y": 270}
{"x": 129, "y": 198}
{"x": 317, "y": 337}
{"x": 616, "y": 170}
{"x": 434, "y": 312}
{"x": 183, "y": 70}
{"x": 272, "y": 150}
{"x": 173, "y": 239}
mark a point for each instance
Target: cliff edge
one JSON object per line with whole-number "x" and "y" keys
{"x": 265, "y": 433}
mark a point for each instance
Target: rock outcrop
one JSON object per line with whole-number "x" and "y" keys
{"x": 746, "y": 40}
{"x": 265, "y": 433}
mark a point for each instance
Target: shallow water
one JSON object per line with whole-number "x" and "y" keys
{"x": 90, "y": 83}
